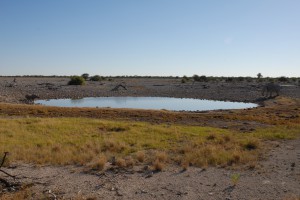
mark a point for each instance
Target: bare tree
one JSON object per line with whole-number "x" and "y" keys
{"x": 4, "y": 172}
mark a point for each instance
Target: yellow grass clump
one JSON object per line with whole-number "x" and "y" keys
{"x": 98, "y": 163}
{"x": 120, "y": 162}
{"x": 158, "y": 165}
{"x": 161, "y": 156}
{"x": 140, "y": 156}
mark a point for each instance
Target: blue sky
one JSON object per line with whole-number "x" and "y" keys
{"x": 150, "y": 37}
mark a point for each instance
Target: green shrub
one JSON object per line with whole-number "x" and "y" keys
{"x": 184, "y": 79}
{"x": 229, "y": 79}
{"x": 203, "y": 78}
{"x": 235, "y": 178}
{"x": 77, "y": 80}
{"x": 240, "y": 78}
{"x": 200, "y": 78}
{"x": 249, "y": 79}
{"x": 196, "y": 77}
{"x": 283, "y": 79}
{"x": 96, "y": 78}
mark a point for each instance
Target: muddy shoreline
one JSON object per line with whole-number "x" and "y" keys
{"x": 58, "y": 88}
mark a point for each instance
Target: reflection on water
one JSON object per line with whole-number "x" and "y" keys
{"x": 75, "y": 101}
{"x": 147, "y": 103}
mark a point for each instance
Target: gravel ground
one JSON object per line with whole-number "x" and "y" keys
{"x": 52, "y": 88}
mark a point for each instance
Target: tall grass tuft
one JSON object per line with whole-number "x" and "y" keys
{"x": 98, "y": 163}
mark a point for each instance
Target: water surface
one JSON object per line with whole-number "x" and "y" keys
{"x": 157, "y": 103}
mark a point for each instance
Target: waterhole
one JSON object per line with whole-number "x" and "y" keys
{"x": 156, "y": 103}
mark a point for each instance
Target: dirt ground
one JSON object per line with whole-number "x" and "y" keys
{"x": 276, "y": 177}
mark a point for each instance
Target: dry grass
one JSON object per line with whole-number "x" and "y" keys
{"x": 282, "y": 111}
{"x": 211, "y": 136}
{"x": 13, "y": 196}
{"x": 251, "y": 144}
{"x": 140, "y": 156}
{"x": 184, "y": 164}
{"x": 129, "y": 162}
{"x": 120, "y": 162}
{"x": 159, "y": 161}
{"x": 98, "y": 163}
{"x": 22, "y": 194}
{"x": 113, "y": 146}
{"x": 158, "y": 165}
{"x": 292, "y": 197}
{"x": 161, "y": 156}
{"x": 27, "y": 193}
{"x": 220, "y": 151}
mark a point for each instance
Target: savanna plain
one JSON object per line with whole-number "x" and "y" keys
{"x": 107, "y": 153}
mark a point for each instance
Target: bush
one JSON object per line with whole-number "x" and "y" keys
{"x": 196, "y": 77}
{"x": 85, "y": 76}
{"x": 229, "y": 79}
{"x": 283, "y": 79}
{"x": 200, "y": 78}
{"x": 240, "y": 78}
{"x": 184, "y": 79}
{"x": 249, "y": 79}
{"x": 96, "y": 78}
{"x": 203, "y": 79}
{"x": 77, "y": 80}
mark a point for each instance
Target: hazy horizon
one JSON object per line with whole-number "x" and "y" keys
{"x": 132, "y": 76}
{"x": 150, "y": 38}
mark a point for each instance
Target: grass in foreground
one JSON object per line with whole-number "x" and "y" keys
{"x": 91, "y": 142}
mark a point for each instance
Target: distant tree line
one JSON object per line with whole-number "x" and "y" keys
{"x": 80, "y": 80}
{"x": 260, "y": 78}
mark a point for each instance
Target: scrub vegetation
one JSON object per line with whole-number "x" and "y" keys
{"x": 77, "y": 80}
{"x": 96, "y": 78}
